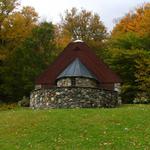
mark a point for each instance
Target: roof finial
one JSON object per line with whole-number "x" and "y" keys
{"x": 76, "y": 41}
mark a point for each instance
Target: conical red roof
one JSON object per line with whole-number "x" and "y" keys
{"x": 78, "y": 50}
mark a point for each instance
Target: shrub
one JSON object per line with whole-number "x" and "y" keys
{"x": 142, "y": 99}
{"x": 7, "y": 106}
{"x": 25, "y": 102}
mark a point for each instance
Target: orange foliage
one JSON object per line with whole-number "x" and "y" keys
{"x": 137, "y": 22}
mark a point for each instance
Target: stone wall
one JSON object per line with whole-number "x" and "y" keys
{"x": 78, "y": 81}
{"x": 69, "y": 97}
{"x": 85, "y": 82}
{"x": 64, "y": 82}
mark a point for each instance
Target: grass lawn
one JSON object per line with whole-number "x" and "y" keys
{"x": 123, "y": 128}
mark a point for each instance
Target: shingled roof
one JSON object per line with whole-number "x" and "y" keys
{"x": 88, "y": 58}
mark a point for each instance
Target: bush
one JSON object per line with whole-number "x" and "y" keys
{"x": 7, "y": 106}
{"x": 25, "y": 102}
{"x": 142, "y": 99}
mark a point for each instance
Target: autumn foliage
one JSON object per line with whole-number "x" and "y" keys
{"x": 129, "y": 51}
{"x": 137, "y": 21}
{"x": 28, "y": 46}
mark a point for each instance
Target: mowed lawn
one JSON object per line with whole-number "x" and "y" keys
{"x": 123, "y": 128}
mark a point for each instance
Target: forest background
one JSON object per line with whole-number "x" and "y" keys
{"x": 28, "y": 46}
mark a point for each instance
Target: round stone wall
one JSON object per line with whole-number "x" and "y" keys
{"x": 65, "y": 82}
{"x": 73, "y": 98}
{"x": 76, "y": 81}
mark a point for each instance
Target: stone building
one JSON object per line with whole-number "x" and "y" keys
{"x": 77, "y": 78}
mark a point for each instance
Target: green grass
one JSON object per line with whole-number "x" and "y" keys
{"x": 123, "y": 128}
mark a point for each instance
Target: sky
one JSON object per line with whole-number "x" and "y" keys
{"x": 109, "y": 10}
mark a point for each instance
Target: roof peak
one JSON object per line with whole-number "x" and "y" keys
{"x": 76, "y": 69}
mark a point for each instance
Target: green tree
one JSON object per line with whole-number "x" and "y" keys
{"x": 15, "y": 26}
{"x": 128, "y": 54}
{"x": 27, "y": 62}
{"x": 143, "y": 76}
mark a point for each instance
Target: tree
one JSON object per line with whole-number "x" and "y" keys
{"x": 17, "y": 26}
{"x": 136, "y": 21}
{"x": 83, "y": 25}
{"x": 128, "y": 52}
{"x": 6, "y": 8}
{"x": 130, "y": 41}
{"x": 27, "y": 62}
{"x": 143, "y": 75}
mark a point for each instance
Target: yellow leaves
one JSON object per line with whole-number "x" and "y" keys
{"x": 17, "y": 26}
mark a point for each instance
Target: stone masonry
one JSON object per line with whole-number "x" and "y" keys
{"x": 79, "y": 82}
{"x": 73, "y": 97}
